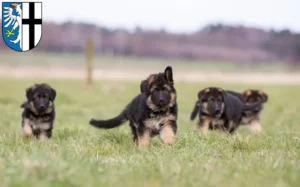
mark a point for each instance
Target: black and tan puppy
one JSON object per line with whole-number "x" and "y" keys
{"x": 152, "y": 112}
{"x": 252, "y": 117}
{"x": 39, "y": 112}
{"x": 218, "y": 109}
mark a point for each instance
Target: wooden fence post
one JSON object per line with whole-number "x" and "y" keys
{"x": 89, "y": 62}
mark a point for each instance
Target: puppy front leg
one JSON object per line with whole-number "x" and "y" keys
{"x": 231, "y": 126}
{"x": 168, "y": 132}
{"x": 45, "y": 135}
{"x": 204, "y": 124}
{"x": 144, "y": 136}
{"x": 26, "y": 128}
{"x": 255, "y": 126}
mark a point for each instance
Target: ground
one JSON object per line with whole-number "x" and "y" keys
{"x": 80, "y": 155}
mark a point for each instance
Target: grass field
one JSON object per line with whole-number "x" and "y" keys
{"x": 80, "y": 155}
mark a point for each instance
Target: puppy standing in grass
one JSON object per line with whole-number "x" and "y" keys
{"x": 152, "y": 112}
{"x": 252, "y": 117}
{"x": 218, "y": 109}
{"x": 39, "y": 112}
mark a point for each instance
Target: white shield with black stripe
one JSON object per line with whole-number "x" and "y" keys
{"x": 31, "y": 25}
{"x": 22, "y": 25}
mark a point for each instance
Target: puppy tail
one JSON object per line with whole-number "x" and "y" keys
{"x": 111, "y": 123}
{"x": 253, "y": 106}
{"x": 195, "y": 111}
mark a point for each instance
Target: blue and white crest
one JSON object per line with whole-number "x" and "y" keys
{"x": 22, "y": 25}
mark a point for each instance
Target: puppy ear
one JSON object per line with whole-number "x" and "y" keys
{"x": 246, "y": 94}
{"x": 263, "y": 95}
{"x": 24, "y": 105}
{"x": 224, "y": 94}
{"x": 196, "y": 110}
{"x": 169, "y": 74}
{"x": 144, "y": 86}
{"x": 29, "y": 93}
{"x": 52, "y": 94}
{"x": 202, "y": 94}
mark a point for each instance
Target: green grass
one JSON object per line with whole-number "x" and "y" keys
{"x": 80, "y": 155}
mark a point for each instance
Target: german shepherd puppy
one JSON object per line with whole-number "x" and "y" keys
{"x": 218, "y": 109}
{"x": 252, "y": 117}
{"x": 152, "y": 112}
{"x": 39, "y": 112}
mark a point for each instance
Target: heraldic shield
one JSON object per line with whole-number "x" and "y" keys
{"x": 22, "y": 25}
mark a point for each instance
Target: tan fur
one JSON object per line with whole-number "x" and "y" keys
{"x": 36, "y": 124}
{"x": 150, "y": 104}
{"x": 50, "y": 104}
{"x": 33, "y": 109}
{"x": 27, "y": 130}
{"x": 167, "y": 87}
{"x": 153, "y": 107}
{"x": 205, "y": 125}
{"x": 173, "y": 97}
{"x": 248, "y": 93}
{"x": 218, "y": 122}
{"x": 204, "y": 107}
{"x": 154, "y": 123}
{"x": 144, "y": 140}
{"x": 42, "y": 136}
{"x": 230, "y": 125}
{"x": 207, "y": 90}
{"x": 152, "y": 88}
{"x": 255, "y": 126}
{"x": 167, "y": 133}
{"x": 44, "y": 126}
{"x": 157, "y": 121}
{"x": 222, "y": 107}
{"x": 150, "y": 79}
{"x": 49, "y": 110}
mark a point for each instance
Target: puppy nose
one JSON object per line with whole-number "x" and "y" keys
{"x": 217, "y": 110}
{"x": 42, "y": 107}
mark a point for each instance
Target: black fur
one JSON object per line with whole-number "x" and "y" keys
{"x": 209, "y": 107}
{"x": 151, "y": 110}
{"x": 251, "y": 96}
{"x": 38, "y": 111}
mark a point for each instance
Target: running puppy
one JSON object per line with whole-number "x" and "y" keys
{"x": 252, "y": 117}
{"x": 39, "y": 112}
{"x": 218, "y": 109}
{"x": 152, "y": 112}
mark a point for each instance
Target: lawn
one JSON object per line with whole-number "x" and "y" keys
{"x": 80, "y": 155}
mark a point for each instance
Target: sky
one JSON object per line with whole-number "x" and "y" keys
{"x": 181, "y": 16}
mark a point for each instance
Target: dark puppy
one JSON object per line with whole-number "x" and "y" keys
{"x": 252, "y": 117}
{"x": 39, "y": 112}
{"x": 151, "y": 113}
{"x": 218, "y": 109}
